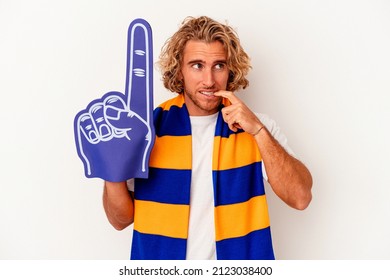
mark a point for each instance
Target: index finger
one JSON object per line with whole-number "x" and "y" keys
{"x": 139, "y": 74}
{"x": 228, "y": 95}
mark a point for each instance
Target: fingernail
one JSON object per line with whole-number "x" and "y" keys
{"x": 112, "y": 113}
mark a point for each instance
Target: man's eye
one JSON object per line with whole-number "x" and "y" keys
{"x": 197, "y": 66}
{"x": 219, "y": 66}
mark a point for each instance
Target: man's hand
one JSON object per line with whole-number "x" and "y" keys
{"x": 238, "y": 115}
{"x": 114, "y": 134}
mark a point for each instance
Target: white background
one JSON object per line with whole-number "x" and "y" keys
{"x": 320, "y": 68}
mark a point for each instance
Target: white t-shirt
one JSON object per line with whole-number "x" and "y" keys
{"x": 201, "y": 230}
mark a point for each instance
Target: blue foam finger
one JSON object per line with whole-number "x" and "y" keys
{"x": 115, "y": 134}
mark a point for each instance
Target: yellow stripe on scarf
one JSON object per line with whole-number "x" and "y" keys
{"x": 239, "y": 219}
{"x": 161, "y": 218}
{"x": 235, "y": 151}
{"x": 171, "y": 152}
{"x": 178, "y": 101}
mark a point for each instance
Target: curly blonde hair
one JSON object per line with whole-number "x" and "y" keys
{"x": 207, "y": 30}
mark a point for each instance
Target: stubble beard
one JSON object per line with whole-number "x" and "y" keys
{"x": 208, "y": 110}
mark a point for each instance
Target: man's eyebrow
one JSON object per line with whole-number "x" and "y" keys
{"x": 222, "y": 61}
{"x": 194, "y": 61}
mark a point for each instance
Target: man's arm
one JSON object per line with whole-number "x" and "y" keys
{"x": 118, "y": 204}
{"x": 288, "y": 177}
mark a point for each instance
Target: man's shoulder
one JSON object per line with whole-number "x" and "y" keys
{"x": 177, "y": 101}
{"x": 266, "y": 120}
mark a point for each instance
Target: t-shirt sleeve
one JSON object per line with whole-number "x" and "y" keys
{"x": 130, "y": 185}
{"x": 274, "y": 129}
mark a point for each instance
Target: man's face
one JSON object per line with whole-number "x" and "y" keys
{"x": 204, "y": 71}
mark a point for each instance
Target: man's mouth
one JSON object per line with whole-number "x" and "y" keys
{"x": 207, "y": 93}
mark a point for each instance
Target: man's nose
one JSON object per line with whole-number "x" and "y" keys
{"x": 208, "y": 78}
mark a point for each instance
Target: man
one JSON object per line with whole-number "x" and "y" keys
{"x": 204, "y": 198}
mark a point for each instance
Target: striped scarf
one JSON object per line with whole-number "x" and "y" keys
{"x": 162, "y": 202}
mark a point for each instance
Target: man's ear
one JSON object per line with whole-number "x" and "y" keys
{"x": 231, "y": 77}
{"x": 180, "y": 83}
{"x": 180, "y": 76}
